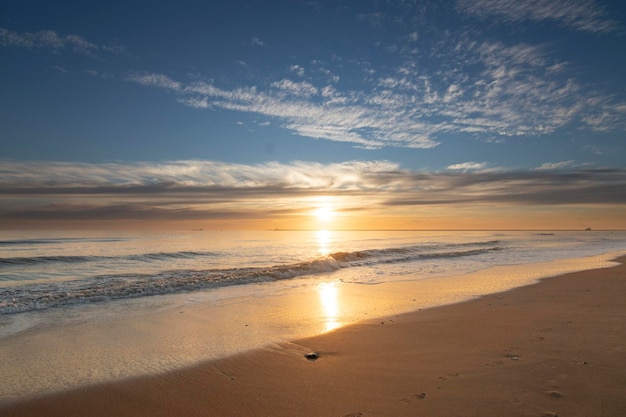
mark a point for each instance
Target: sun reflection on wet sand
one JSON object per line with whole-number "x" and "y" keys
{"x": 328, "y": 293}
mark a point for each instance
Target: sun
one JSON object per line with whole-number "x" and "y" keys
{"x": 324, "y": 213}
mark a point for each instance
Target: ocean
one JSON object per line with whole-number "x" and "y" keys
{"x": 98, "y": 294}
{"x": 50, "y": 270}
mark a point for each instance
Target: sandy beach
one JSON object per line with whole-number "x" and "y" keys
{"x": 557, "y": 348}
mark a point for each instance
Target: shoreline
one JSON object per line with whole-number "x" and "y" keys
{"x": 165, "y": 334}
{"x": 552, "y": 348}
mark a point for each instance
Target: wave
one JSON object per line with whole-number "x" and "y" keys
{"x": 146, "y": 257}
{"x": 410, "y": 253}
{"x": 57, "y": 240}
{"x": 30, "y": 297}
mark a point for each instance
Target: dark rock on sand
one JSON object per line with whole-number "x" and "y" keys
{"x": 312, "y": 356}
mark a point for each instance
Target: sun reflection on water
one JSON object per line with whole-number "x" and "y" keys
{"x": 328, "y": 293}
{"x": 324, "y": 238}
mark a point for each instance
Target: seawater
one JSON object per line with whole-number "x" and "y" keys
{"x": 48, "y": 270}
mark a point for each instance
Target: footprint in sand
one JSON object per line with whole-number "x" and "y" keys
{"x": 419, "y": 396}
{"x": 353, "y": 415}
{"x": 554, "y": 394}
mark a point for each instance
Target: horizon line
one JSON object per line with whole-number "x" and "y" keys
{"x": 445, "y": 230}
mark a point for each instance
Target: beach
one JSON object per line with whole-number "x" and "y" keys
{"x": 556, "y": 348}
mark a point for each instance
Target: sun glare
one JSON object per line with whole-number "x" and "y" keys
{"x": 329, "y": 298}
{"x": 324, "y": 213}
{"x": 323, "y": 242}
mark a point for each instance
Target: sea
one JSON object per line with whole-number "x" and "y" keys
{"x": 45, "y": 270}
{"x": 90, "y": 281}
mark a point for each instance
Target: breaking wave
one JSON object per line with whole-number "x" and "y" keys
{"x": 30, "y": 297}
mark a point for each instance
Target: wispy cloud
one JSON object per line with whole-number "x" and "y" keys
{"x": 298, "y": 89}
{"x": 256, "y": 42}
{"x": 468, "y": 166}
{"x": 51, "y": 176}
{"x": 154, "y": 80}
{"x": 183, "y": 190}
{"x": 540, "y": 188}
{"x": 48, "y": 39}
{"x": 515, "y": 93}
{"x": 492, "y": 90}
{"x": 323, "y": 113}
{"x": 555, "y": 165}
{"x": 585, "y": 16}
{"x": 297, "y": 69}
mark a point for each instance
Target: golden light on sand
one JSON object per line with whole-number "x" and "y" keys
{"x": 328, "y": 293}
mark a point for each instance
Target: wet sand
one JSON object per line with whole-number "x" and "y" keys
{"x": 557, "y": 348}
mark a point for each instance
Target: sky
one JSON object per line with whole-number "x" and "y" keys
{"x": 370, "y": 114}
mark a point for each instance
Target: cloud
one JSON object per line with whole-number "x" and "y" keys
{"x": 178, "y": 190}
{"x": 256, "y": 42}
{"x": 595, "y": 150}
{"x": 556, "y": 165}
{"x": 322, "y": 113}
{"x": 606, "y": 114}
{"x": 154, "y": 80}
{"x": 516, "y": 90}
{"x": 196, "y": 190}
{"x": 513, "y": 95}
{"x": 585, "y": 16}
{"x": 537, "y": 188}
{"x": 297, "y": 69}
{"x": 24, "y": 177}
{"x": 493, "y": 90}
{"x": 48, "y": 39}
{"x": 468, "y": 166}
{"x": 299, "y": 89}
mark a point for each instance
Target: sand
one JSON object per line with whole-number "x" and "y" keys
{"x": 554, "y": 348}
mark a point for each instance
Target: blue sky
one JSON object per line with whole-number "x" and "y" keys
{"x": 328, "y": 96}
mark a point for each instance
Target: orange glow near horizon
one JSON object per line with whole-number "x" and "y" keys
{"x": 336, "y": 212}
{"x": 324, "y": 212}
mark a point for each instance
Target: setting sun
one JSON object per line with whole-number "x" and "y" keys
{"x": 324, "y": 213}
